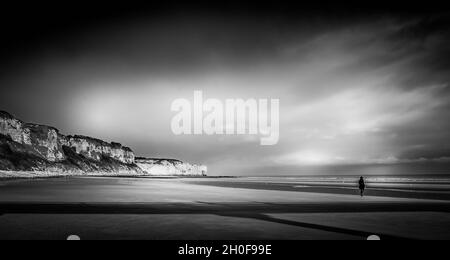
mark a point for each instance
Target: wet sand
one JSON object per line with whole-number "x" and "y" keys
{"x": 380, "y": 190}
{"x": 145, "y": 208}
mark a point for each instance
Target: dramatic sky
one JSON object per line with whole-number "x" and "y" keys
{"x": 354, "y": 87}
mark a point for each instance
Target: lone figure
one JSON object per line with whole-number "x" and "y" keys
{"x": 362, "y": 185}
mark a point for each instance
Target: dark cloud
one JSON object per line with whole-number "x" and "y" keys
{"x": 347, "y": 80}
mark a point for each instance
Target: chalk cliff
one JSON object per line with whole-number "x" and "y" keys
{"x": 95, "y": 149}
{"x": 44, "y": 151}
{"x": 171, "y": 167}
{"x": 42, "y": 141}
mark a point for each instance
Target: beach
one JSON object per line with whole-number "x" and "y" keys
{"x": 244, "y": 208}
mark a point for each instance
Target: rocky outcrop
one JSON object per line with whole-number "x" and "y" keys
{"x": 162, "y": 167}
{"x": 42, "y": 149}
{"x": 96, "y": 149}
{"x": 14, "y": 128}
{"x": 43, "y": 141}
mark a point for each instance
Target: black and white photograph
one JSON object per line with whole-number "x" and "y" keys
{"x": 226, "y": 121}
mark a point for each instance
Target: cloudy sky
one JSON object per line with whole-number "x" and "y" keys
{"x": 354, "y": 87}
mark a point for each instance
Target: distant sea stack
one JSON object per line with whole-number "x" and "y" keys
{"x": 32, "y": 150}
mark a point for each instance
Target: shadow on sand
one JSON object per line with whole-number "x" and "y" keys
{"x": 255, "y": 210}
{"x": 352, "y": 232}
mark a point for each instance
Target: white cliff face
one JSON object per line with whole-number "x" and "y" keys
{"x": 43, "y": 140}
{"x": 123, "y": 154}
{"x": 32, "y": 142}
{"x": 96, "y": 149}
{"x": 54, "y": 151}
{"x": 47, "y": 143}
{"x": 14, "y": 128}
{"x": 168, "y": 167}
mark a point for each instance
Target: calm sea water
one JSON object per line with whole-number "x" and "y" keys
{"x": 431, "y": 177}
{"x": 417, "y": 169}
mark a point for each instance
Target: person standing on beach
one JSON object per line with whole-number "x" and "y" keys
{"x": 362, "y": 185}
